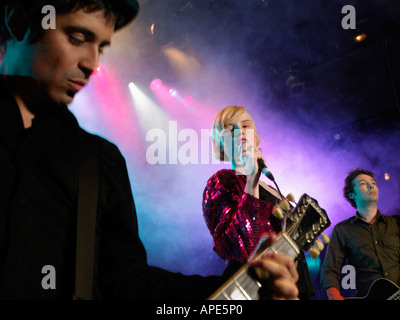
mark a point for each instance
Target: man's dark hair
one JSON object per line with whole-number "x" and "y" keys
{"x": 112, "y": 9}
{"x": 349, "y": 186}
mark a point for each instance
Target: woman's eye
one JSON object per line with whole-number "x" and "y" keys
{"x": 225, "y": 131}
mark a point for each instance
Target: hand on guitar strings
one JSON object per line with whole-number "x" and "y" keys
{"x": 277, "y": 273}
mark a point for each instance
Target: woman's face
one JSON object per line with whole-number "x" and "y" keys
{"x": 239, "y": 137}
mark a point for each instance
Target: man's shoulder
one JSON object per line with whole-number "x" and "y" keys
{"x": 345, "y": 222}
{"x": 95, "y": 138}
{"x": 396, "y": 217}
{"x": 107, "y": 150}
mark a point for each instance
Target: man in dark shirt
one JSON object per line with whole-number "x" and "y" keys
{"x": 369, "y": 240}
{"x": 40, "y": 139}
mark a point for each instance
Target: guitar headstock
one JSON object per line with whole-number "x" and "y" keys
{"x": 305, "y": 223}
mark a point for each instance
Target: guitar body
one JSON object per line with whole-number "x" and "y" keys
{"x": 381, "y": 289}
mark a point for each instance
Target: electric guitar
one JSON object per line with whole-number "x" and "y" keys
{"x": 381, "y": 289}
{"x": 302, "y": 227}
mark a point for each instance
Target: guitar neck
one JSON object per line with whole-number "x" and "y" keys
{"x": 395, "y": 296}
{"x": 242, "y": 285}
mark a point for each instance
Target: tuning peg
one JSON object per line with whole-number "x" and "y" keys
{"x": 277, "y": 212}
{"x": 285, "y": 205}
{"x": 325, "y": 238}
{"x": 314, "y": 252}
{"x": 290, "y": 197}
{"x": 319, "y": 245}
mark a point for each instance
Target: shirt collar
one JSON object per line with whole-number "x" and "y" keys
{"x": 379, "y": 218}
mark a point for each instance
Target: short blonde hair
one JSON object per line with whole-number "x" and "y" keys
{"x": 221, "y": 119}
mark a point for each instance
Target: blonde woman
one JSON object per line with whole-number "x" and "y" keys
{"x": 233, "y": 210}
{"x": 237, "y": 205}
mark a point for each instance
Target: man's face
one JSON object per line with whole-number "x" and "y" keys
{"x": 365, "y": 190}
{"x": 64, "y": 58}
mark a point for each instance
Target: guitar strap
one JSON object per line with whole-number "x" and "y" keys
{"x": 86, "y": 217}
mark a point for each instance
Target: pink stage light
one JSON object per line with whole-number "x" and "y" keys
{"x": 173, "y": 92}
{"x": 156, "y": 84}
{"x": 169, "y": 97}
{"x": 187, "y": 101}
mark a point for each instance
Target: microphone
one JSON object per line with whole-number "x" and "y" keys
{"x": 265, "y": 170}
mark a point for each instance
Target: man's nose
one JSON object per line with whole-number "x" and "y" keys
{"x": 90, "y": 62}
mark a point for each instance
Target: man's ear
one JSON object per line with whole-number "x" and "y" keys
{"x": 351, "y": 195}
{"x": 16, "y": 21}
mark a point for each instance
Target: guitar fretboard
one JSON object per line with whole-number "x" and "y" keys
{"x": 395, "y": 296}
{"x": 242, "y": 285}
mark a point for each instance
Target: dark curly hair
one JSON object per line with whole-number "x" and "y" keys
{"x": 349, "y": 186}
{"x": 112, "y": 10}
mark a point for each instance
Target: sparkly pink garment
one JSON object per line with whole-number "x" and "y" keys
{"x": 236, "y": 219}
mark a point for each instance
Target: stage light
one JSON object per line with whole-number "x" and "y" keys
{"x": 169, "y": 95}
{"x": 155, "y": 84}
{"x": 337, "y": 137}
{"x": 360, "y": 37}
{"x": 148, "y": 113}
{"x": 387, "y": 176}
{"x": 173, "y": 92}
{"x": 152, "y": 29}
{"x": 187, "y": 101}
{"x": 131, "y": 86}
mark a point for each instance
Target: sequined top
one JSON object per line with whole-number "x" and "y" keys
{"x": 236, "y": 219}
